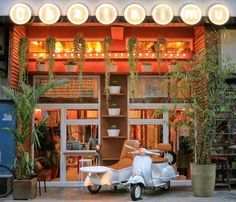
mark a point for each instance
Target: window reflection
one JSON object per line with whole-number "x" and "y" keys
{"x": 82, "y": 137}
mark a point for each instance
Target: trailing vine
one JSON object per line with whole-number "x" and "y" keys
{"x": 23, "y": 50}
{"x": 107, "y": 42}
{"x": 133, "y": 63}
{"x": 160, "y": 41}
{"x": 50, "y": 49}
{"x": 79, "y": 56}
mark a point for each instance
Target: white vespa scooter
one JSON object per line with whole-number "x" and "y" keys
{"x": 150, "y": 171}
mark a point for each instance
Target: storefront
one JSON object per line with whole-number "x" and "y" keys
{"x": 78, "y": 118}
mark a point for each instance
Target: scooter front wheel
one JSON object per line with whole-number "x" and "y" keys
{"x": 94, "y": 188}
{"x": 136, "y": 191}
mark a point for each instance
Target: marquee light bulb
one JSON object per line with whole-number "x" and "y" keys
{"x": 162, "y": 14}
{"x": 49, "y": 13}
{"x": 191, "y": 14}
{"x": 218, "y": 14}
{"x": 106, "y": 13}
{"x": 134, "y": 14}
{"x": 77, "y": 14}
{"x": 20, "y": 13}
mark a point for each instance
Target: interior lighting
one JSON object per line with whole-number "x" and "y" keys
{"x": 20, "y": 13}
{"x": 90, "y": 54}
{"x": 35, "y": 55}
{"x": 184, "y": 54}
{"x": 134, "y": 14}
{"x": 106, "y": 13}
{"x": 71, "y": 54}
{"x": 49, "y": 13}
{"x": 191, "y": 14}
{"x": 121, "y": 54}
{"x": 218, "y": 14}
{"x": 162, "y": 14}
{"x": 77, "y": 13}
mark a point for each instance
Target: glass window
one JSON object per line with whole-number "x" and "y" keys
{"x": 82, "y": 114}
{"x": 150, "y": 90}
{"x": 147, "y": 135}
{"x": 145, "y": 114}
{"x": 70, "y": 92}
{"x": 81, "y": 137}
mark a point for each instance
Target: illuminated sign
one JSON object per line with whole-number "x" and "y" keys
{"x": 134, "y": 14}
{"x": 20, "y": 13}
{"x": 49, "y": 13}
{"x": 218, "y": 14}
{"x": 162, "y": 14}
{"x": 191, "y": 14}
{"x": 106, "y": 14}
{"x": 77, "y": 14}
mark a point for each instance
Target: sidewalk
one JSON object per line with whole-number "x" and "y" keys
{"x": 176, "y": 194}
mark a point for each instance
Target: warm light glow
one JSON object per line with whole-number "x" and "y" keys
{"x": 106, "y": 13}
{"x": 162, "y": 14}
{"x": 20, "y": 13}
{"x": 218, "y": 14}
{"x": 77, "y": 13}
{"x": 59, "y": 47}
{"x": 134, "y": 14}
{"x": 49, "y": 13}
{"x": 191, "y": 14}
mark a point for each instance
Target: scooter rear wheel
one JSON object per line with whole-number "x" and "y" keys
{"x": 94, "y": 188}
{"x": 136, "y": 191}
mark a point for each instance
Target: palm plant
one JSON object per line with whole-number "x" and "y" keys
{"x": 25, "y": 100}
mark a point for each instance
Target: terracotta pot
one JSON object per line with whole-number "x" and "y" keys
{"x": 113, "y": 132}
{"x": 115, "y": 89}
{"x": 114, "y": 111}
{"x": 203, "y": 179}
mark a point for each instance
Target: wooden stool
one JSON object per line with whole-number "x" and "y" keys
{"x": 222, "y": 162}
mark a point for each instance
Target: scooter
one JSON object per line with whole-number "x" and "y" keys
{"x": 150, "y": 171}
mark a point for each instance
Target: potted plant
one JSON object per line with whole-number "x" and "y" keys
{"x": 50, "y": 50}
{"x": 113, "y": 131}
{"x": 107, "y": 43}
{"x": 133, "y": 52}
{"x": 146, "y": 67}
{"x": 115, "y": 87}
{"x": 25, "y": 100}
{"x": 71, "y": 65}
{"x": 41, "y": 64}
{"x": 201, "y": 88}
{"x": 113, "y": 110}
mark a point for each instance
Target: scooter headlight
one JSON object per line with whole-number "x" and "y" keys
{"x": 141, "y": 151}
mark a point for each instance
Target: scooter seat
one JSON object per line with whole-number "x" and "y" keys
{"x": 122, "y": 163}
{"x": 157, "y": 159}
{"x": 164, "y": 147}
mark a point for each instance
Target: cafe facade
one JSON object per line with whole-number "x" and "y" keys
{"x": 79, "y": 117}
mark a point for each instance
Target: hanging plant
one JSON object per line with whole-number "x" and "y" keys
{"x": 23, "y": 50}
{"x": 133, "y": 63}
{"x": 50, "y": 49}
{"x": 159, "y": 42}
{"x": 107, "y": 42}
{"x": 79, "y": 56}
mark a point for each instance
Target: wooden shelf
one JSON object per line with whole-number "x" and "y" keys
{"x": 120, "y": 94}
{"x": 110, "y": 158}
{"x": 108, "y": 116}
{"x": 118, "y": 137}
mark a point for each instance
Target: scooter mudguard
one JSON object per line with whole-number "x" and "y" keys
{"x": 98, "y": 179}
{"x": 136, "y": 179}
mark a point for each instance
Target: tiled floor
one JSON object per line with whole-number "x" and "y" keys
{"x": 176, "y": 194}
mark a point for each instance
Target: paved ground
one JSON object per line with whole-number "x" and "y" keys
{"x": 176, "y": 194}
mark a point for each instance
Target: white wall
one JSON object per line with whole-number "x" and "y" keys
{"x": 228, "y": 44}
{"x": 176, "y": 5}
